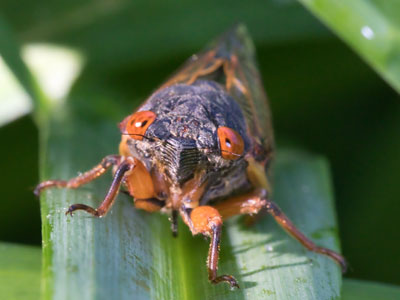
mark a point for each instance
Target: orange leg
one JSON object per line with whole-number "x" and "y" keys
{"x": 123, "y": 168}
{"x": 86, "y": 177}
{"x": 207, "y": 221}
{"x": 253, "y": 202}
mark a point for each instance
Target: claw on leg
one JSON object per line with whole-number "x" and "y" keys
{"x": 84, "y": 207}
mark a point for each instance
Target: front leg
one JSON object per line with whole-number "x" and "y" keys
{"x": 124, "y": 167}
{"x": 206, "y": 220}
{"x": 253, "y": 202}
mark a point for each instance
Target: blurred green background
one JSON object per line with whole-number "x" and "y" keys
{"x": 324, "y": 98}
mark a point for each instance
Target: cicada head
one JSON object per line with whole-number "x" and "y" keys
{"x": 183, "y": 130}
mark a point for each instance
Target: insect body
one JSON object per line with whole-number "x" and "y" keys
{"x": 199, "y": 147}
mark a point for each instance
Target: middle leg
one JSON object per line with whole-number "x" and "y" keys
{"x": 206, "y": 220}
{"x": 108, "y": 201}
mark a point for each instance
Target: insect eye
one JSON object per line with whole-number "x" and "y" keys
{"x": 231, "y": 143}
{"x": 138, "y": 123}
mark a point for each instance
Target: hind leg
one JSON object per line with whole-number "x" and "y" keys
{"x": 253, "y": 202}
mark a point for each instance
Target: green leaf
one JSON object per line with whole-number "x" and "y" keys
{"x": 372, "y": 28}
{"x": 20, "y": 277}
{"x": 19, "y": 271}
{"x": 131, "y": 252}
{"x": 365, "y": 290}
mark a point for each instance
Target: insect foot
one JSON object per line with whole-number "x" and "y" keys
{"x": 84, "y": 207}
{"x": 228, "y": 279}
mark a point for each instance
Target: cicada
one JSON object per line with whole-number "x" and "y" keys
{"x": 199, "y": 147}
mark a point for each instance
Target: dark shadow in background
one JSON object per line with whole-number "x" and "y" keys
{"x": 19, "y": 211}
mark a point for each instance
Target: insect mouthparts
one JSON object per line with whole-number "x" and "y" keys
{"x": 180, "y": 157}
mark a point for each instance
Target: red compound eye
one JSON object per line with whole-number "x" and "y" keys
{"x": 231, "y": 143}
{"x": 138, "y": 123}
